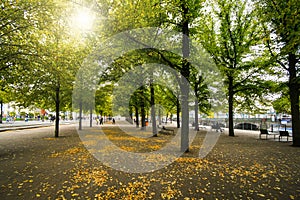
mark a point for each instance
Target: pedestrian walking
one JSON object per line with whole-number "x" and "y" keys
{"x": 113, "y": 121}
{"x": 101, "y": 121}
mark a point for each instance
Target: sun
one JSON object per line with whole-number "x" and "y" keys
{"x": 83, "y": 20}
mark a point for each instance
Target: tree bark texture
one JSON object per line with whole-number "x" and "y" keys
{"x": 294, "y": 98}
{"x": 57, "y": 107}
{"x": 230, "y": 106}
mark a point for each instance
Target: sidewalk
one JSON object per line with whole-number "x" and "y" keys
{"x": 18, "y": 125}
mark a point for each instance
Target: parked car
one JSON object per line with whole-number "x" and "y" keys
{"x": 246, "y": 126}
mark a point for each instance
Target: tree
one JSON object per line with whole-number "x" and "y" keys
{"x": 202, "y": 94}
{"x": 282, "y": 105}
{"x": 103, "y": 100}
{"x": 281, "y": 19}
{"x": 228, "y": 33}
{"x": 49, "y": 77}
{"x": 5, "y": 94}
{"x": 20, "y": 22}
{"x": 172, "y": 15}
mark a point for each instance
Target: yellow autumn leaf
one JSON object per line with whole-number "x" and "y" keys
{"x": 261, "y": 195}
{"x": 264, "y": 175}
{"x": 276, "y": 188}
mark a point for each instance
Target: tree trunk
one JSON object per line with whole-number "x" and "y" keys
{"x": 130, "y": 114}
{"x": 91, "y": 117}
{"x": 178, "y": 113}
{"x": 185, "y": 119}
{"x": 167, "y": 118}
{"x": 185, "y": 72}
{"x": 196, "y": 114}
{"x": 159, "y": 116}
{"x": 1, "y": 111}
{"x": 57, "y": 105}
{"x": 80, "y": 115}
{"x": 230, "y": 106}
{"x": 137, "y": 121}
{"x": 143, "y": 112}
{"x": 294, "y": 99}
{"x": 153, "y": 118}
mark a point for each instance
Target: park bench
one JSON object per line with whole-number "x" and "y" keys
{"x": 166, "y": 130}
{"x": 284, "y": 134}
{"x": 266, "y": 133}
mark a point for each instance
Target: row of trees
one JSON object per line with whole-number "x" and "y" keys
{"x": 40, "y": 54}
{"x": 253, "y": 44}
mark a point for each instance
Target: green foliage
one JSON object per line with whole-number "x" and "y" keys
{"x": 31, "y": 115}
{"x": 103, "y": 101}
{"x": 282, "y": 19}
{"x": 128, "y": 15}
{"x": 22, "y": 114}
{"x": 282, "y": 105}
{"x": 229, "y": 32}
{"x": 58, "y": 56}
{"x": 20, "y": 22}
{"x": 281, "y": 24}
{"x": 12, "y": 114}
